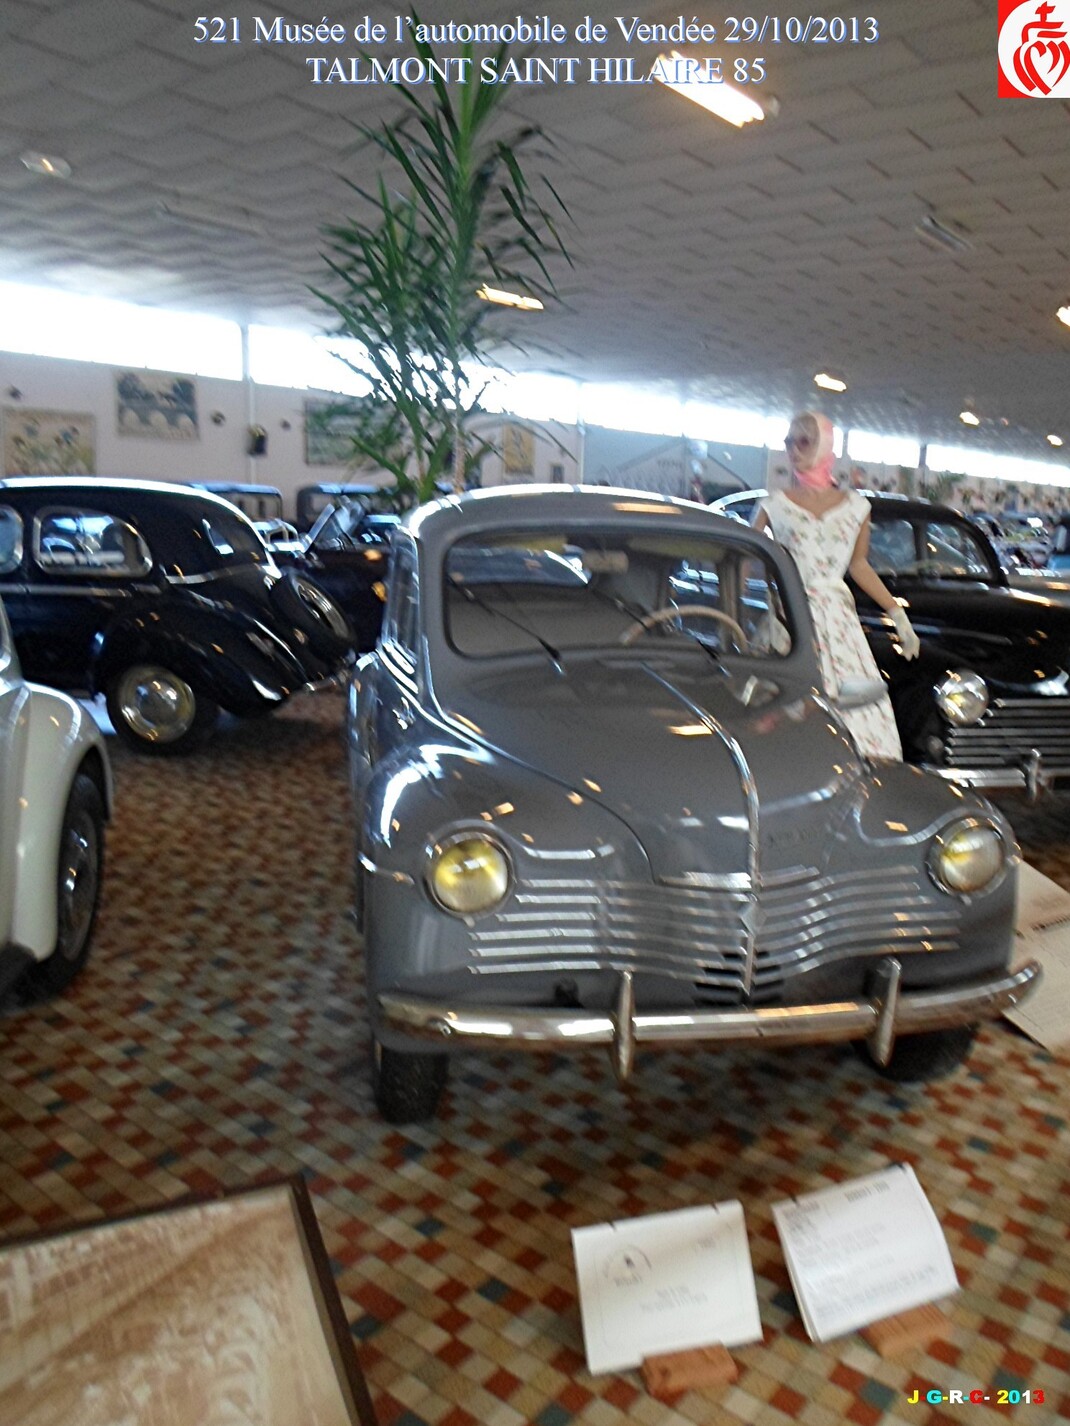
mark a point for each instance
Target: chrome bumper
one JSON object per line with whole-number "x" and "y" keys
{"x": 1032, "y": 776}
{"x": 890, "y": 1012}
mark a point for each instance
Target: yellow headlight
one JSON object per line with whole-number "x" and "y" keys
{"x": 469, "y": 876}
{"x": 967, "y": 857}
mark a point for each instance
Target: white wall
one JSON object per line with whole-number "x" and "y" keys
{"x": 52, "y": 384}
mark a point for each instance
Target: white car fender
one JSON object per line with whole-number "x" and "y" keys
{"x": 54, "y": 735}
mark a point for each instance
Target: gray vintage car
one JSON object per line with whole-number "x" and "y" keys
{"x": 595, "y": 807}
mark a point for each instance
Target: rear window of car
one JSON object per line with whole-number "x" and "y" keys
{"x": 512, "y": 592}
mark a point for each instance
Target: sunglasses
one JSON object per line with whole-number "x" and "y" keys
{"x": 801, "y": 441}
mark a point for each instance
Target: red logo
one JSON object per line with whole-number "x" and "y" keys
{"x": 1034, "y": 49}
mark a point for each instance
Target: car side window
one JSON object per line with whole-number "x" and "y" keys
{"x": 891, "y": 546}
{"x": 10, "y": 539}
{"x": 952, "y": 550}
{"x": 402, "y": 605}
{"x": 88, "y": 542}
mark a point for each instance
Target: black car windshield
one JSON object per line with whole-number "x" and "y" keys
{"x": 930, "y": 549}
{"x": 515, "y": 590}
{"x": 226, "y": 538}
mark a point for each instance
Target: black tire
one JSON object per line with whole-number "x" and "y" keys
{"x": 407, "y": 1087}
{"x": 79, "y": 874}
{"x": 156, "y": 710}
{"x": 311, "y": 610}
{"x": 932, "y": 1055}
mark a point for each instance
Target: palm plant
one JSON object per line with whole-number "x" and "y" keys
{"x": 457, "y": 215}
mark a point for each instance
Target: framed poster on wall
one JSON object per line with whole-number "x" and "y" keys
{"x": 49, "y": 442}
{"x": 328, "y": 427}
{"x": 518, "y": 450}
{"x": 158, "y": 404}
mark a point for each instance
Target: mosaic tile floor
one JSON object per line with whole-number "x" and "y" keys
{"x": 218, "y": 1036}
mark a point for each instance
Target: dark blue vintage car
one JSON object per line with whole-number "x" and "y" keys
{"x": 163, "y": 599}
{"x": 987, "y": 702}
{"x": 603, "y": 801}
{"x": 346, "y": 555}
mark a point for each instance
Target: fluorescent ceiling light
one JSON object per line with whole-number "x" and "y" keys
{"x": 1063, "y": 314}
{"x": 692, "y": 79}
{"x": 829, "y": 383}
{"x": 509, "y": 299}
{"x": 191, "y": 214}
{"x": 1054, "y": 440}
{"x": 969, "y": 419}
{"x": 948, "y": 236}
{"x": 41, "y": 163}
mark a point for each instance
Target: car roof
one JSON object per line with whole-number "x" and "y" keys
{"x": 531, "y": 506}
{"x": 94, "y": 485}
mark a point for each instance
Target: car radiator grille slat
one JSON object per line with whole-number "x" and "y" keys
{"x": 700, "y": 936}
{"x": 1009, "y": 732}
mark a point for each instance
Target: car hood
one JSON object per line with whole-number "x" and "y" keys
{"x": 1013, "y": 638}
{"x": 669, "y": 745}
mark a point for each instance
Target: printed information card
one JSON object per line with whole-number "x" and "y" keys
{"x": 863, "y": 1250}
{"x": 665, "y": 1283}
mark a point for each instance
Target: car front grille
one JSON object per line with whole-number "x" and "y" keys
{"x": 700, "y": 936}
{"x": 1010, "y": 731}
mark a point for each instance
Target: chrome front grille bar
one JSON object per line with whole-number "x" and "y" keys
{"x": 703, "y": 936}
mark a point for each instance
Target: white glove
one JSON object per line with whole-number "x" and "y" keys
{"x": 909, "y": 643}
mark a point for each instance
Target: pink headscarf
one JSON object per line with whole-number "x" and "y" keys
{"x": 812, "y": 466}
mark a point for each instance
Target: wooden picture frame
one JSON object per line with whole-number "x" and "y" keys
{"x": 160, "y": 1314}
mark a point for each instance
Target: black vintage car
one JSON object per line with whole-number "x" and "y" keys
{"x": 346, "y": 554}
{"x": 162, "y": 598}
{"x": 987, "y": 702}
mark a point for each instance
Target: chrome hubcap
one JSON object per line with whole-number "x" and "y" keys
{"x": 156, "y": 704}
{"x": 77, "y": 885}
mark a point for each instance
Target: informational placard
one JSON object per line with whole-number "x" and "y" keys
{"x": 1042, "y": 933}
{"x": 665, "y": 1283}
{"x": 863, "y": 1250}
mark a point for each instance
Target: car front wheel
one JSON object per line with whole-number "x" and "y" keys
{"x": 407, "y": 1087}
{"x": 931, "y": 1055}
{"x": 155, "y": 710}
{"x": 79, "y": 873}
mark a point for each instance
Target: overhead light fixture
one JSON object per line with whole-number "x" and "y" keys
{"x": 829, "y": 383}
{"x": 509, "y": 299}
{"x": 969, "y": 419}
{"x": 42, "y": 163}
{"x": 1063, "y": 313}
{"x": 1054, "y": 440}
{"x": 197, "y": 215}
{"x": 693, "y": 79}
{"x": 947, "y": 235}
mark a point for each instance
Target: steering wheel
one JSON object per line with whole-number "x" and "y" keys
{"x": 673, "y": 611}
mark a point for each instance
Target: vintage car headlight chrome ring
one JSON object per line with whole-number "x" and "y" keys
{"x": 962, "y": 698}
{"x": 468, "y": 873}
{"x": 968, "y": 856}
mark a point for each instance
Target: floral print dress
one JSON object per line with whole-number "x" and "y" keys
{"x": 822, "y": 546}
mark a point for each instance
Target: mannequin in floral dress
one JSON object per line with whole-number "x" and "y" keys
{"x": 826, "y": 530}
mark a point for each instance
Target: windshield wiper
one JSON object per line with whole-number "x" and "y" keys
{"x": 473, "y": 598}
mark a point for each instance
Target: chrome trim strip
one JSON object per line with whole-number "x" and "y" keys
{"x": 750, "y": 796}
{"x": 911, "y": 1012}
{"x": 71, "y": 591}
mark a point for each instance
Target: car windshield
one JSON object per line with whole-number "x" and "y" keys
{"x": 348, "y": 523}
{"x": 585, "y": 588}
{"x": 232, "y": 539}
{"x": 932, "y": 548}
